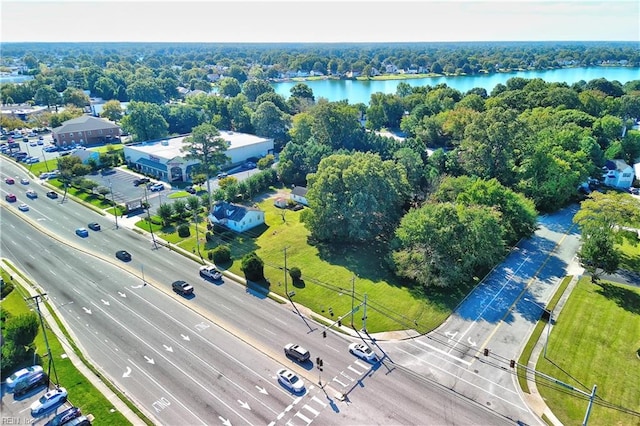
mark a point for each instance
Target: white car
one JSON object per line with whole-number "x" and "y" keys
{"x": 50, "y": 399}
{"x": 290, "y": 380}
{"x": 23, "y": 207}
{"x": 21, "y": 375}
{"x": 210, "y": 272}
{"x": 156, "y": 187}
{"x": 363, "y": 351}
{"x": 32, "y": 194}
{"x": 24, "y": 181}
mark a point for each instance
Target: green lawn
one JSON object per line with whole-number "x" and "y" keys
{"x": 81, "y": 392}
{"x": 595, "y": 341}
{"x": 327, "y": 273}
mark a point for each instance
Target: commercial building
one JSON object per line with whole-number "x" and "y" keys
{"x": 166, "y": 160}
{"x": 85, "y": 130}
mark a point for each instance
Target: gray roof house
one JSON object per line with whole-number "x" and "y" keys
{"x": 85, "y": 130}
{"x": 618, "y": 173}
{"x": 299, "y": 195}
{"x": 235, "y": 216}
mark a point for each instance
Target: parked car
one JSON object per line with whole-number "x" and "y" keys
{"x": 9, "y": 181}
{"x": 33, "y": 382}
{"x": 10, "y": 198}
{"x": 156, "y": 187}
{"x": 222, "y": 175}
{"x": 182, "y": 287}
{"x": 123, "y": 255}
{"x": 79, "y": 421}
{"x": 363, "y": 351}
{"x": 31, "y": 194}
{"x": 52, "y": 194}
{"x": 210, "y": 272}
{"x": 32, "y": 160}
{"x": 94, "y": 226}
{"x": 289, "y": 379}
{"x": 23, "y": 207}
{"x": 82, "y": 232}
{"x": 297, "y": 352}
{"x": 22, "y": 374}
{"x": 64, "y": 417}
{"x": 190, "y": 189}
{"x": 141, "y": 181}
{"x": 49, "y": 400}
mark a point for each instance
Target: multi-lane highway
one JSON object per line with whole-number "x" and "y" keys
{"x": 207, "y": 359}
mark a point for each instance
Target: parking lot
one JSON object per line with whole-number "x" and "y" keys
{"x": 17, "y": 411}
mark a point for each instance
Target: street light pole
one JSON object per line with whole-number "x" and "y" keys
{"x": 113, "y": 200}
{"x": 195, "y": 220}
{"x": 153, "y": 238}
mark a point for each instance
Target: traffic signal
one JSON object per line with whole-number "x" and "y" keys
{"x": 339, "y": 323}
{"x": 486, "y": 351}
{"x": 318, "y": 361}
{"x": 512, "y": 364}
{"x": 324, "y": 334}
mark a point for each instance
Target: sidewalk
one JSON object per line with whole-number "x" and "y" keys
{"x": 534, "y": 400}
{"x": 95, "y": 380}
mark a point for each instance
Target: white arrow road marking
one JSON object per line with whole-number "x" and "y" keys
{"x": 137, "y": 286}
{"x": 127, "y": 373}
{"x": 244, "y": 405}
{"x": 88, "y": 311}
{"x": 106, "y": 302}
{"x": 225, "y": 422}
{"x": 149, "y": 360}
{"x": 169, "y": 348}
{"x": 122, "y": 294}
{"x": 450, "y": 334}
{"x": 185, "y": 337}
{"x": 262, "y": 390}
{"x": 471, "y": 342}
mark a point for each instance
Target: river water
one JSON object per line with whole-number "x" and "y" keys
{"x": 356, "y": 91}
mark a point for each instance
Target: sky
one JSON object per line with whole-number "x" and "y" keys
{"x": 318, "y": 21}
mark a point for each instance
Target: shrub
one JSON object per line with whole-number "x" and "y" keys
{"x": 208, "y": 236}
{"x": 183, "y": 231}
{"x": 253, "y": 267}
{"x": 221, "y": 254}
{"x": 295, "y": 273}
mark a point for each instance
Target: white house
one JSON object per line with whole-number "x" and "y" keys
{"x": 235, "y": 217}
{"x": 299, "y": 195}
{"x": 618, "y": 173}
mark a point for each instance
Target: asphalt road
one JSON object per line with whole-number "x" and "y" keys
{"x": 213, "y": 356}
{"x": 498, "y": 315}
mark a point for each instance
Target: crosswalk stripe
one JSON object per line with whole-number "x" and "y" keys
{"x": 358, "y": 372}
{"x": 335, "y": 379}
{"x": 306, "y": 419}
{"x": 362, "y": 364}
{"x": 344, "y": 375}
{"x": 319, "y": 401}
{"x": 313, "y": 411}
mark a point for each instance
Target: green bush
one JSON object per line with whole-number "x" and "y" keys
{"x": 221, "y": 254}
{"x": 253, "y": 267}
{"x": 183, "y": 231}
{"x": 295, "y": 273}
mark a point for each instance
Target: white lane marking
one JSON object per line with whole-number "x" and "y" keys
{"x": 346, "y": 375}
{"x": 358, "y": 372}
{"x": 269, "y": 331}
{"x": 304, "y": 418}
{"x": 444, "y": 352}
{"x": 279, "y": 320}
{"x": 332, "y": 348}
{"x": 335, "y": 379}
{"x": 319, "y": 401}
{"x": 362, "y": 364}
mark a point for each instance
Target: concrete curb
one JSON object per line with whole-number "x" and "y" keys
{"x": 96, "y": 381}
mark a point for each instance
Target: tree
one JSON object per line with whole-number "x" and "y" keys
{"x": 112, "y": 110}
{"x": 229, "y": 86}
{"x": 295, "y": 273}
{"x": 75, "y": 97}
{"x": 47, "y": 95}
{"x": 22, "y": 329}
{"x": 301, "y": 90}
{"x": 146, "y": 90}
{"x": 193, "y": 203}
{"x": 269, "y": 121}
{"x": 145, "y": 120}
{"x": 355, "y": 198}
{"x": 70, "y": 168}
{"x": 254, "y": 88}
{"x": 58, "y": 118}
{"x": 179, "y": 208}
{"x": 443, "y": 244}
{"x": 253, "y": 267}
{"x": 106, "y": 88}
{"x": 600, "y": 218}
{"x": 206, "y": 146}
{"x": 165, "y": 211}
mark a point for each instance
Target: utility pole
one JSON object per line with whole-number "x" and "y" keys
{"x": 113, "y": 200}
{"x": 286, "y": 289}
{"x": 37, "y": 298}
{"x": 591, "y": 398}
{"x": 364, "y": 314}
{"x": 195, "y": 220}
{"x": 353, "y": 295}
{"x": 153, "y": 238}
